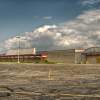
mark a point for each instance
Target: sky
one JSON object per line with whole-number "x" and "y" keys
{"x": 49, "y": 24}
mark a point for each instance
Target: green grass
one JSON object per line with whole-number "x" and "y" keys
{"x": 27, "y": 62}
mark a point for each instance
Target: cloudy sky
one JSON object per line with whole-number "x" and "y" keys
{"x": 49, "y": 24}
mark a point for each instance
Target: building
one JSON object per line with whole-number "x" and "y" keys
{"x": 75, "y": 56}
{"x": 61, "y": 56}
{"x": 71, "y": 56}
{"x": 22, "y": 55}
{"x": 91, "y": 56}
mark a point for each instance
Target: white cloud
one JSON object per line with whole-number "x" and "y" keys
{"x": 45, "y": 28}
{"x": 89, "y": 2}
{"x": 84, "y": 31}
{"x": 47, "y": 17}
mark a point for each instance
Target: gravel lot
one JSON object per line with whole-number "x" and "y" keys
{"x": 49, "y": 82}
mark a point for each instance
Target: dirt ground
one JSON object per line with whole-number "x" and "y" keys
{"x": 49, "y": 82}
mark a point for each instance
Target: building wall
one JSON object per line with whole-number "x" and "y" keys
{"x": 93, "y": 60}
{"x": 98, "y": 59}
{"x": 91, "y": 55}
{"x": 83, "y": 59}
{"x": 62, "y": 56}
{"x": 78, "y": 58}
{"x": 23, "y": 58}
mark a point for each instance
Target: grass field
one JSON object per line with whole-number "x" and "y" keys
{"x": 49, "y": 82}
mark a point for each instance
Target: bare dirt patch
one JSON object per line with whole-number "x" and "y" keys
{"x": 49, "y": 82}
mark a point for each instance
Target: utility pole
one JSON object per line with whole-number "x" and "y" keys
{"x": 18, "y": 51}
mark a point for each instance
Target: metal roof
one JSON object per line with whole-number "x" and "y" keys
{"x": 21, "y": 51}
{"x": 92, "y": 51}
